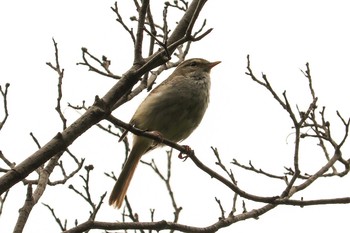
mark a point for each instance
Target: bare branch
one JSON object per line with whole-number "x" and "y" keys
{"x": 24, "y": 211}
{"x": 176, "y": 5}
{"x": 2, "y": 201}
{"x": 227, "y": 183}
{"x": 166, "y": 179}
{"x": 7, "y": 162}
{"x": 4, "y": 96}
{"x": 138, "y": 59}
{"x": 87, "y": 194}
{"x": 162, "y": 225}
{"x": 346, "y": 125}
{"x": 221, "y": 208}
{"x": 222, "y": 166}
{"x": 307, "y": 74}
{"x": 60, "y": 73}
{"x": 63, "y": 227}
{"x": 120, "y": 20}
{"x": 104, "y": 63}
{"x": 258, "y": 171}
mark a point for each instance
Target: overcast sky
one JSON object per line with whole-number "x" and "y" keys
{"x": 243, "y": 120}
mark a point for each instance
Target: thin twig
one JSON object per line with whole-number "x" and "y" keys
{"x": 63, "y": 226}
{"x": 4, "y": 96}
{"x": 60, "y": 73}
{"x": 166, "y": 179}
{"x": 120, "y": 20}
{"x": 252, "y": 168}
{"x": 221, "y": 208}
{"x": 104, "y": 63}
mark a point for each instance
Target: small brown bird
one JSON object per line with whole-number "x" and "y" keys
{"x": 174, "y": 109}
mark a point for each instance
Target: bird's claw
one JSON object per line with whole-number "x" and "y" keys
{"x": 184, "y": 157}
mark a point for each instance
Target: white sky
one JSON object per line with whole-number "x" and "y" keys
{"x": 243, "y": 120}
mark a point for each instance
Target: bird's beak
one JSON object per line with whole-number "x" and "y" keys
{"x": 212, "y": 64}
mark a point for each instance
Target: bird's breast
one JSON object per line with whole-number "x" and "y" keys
{"x": 174, "y": 112}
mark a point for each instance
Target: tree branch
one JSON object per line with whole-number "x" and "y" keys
{"x": 4, "y": 96}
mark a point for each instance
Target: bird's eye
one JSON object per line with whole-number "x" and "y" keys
{"x": 193, "y": 64}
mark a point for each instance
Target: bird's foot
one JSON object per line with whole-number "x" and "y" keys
{"x": 184, "y": 157}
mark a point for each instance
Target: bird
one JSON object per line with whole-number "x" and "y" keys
{"x": 173, "y": 110}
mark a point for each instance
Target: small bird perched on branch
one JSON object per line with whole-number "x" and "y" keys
{"x": 173, "y": 110}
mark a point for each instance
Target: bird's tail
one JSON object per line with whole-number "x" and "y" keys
{"x": 121, "y": 186}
